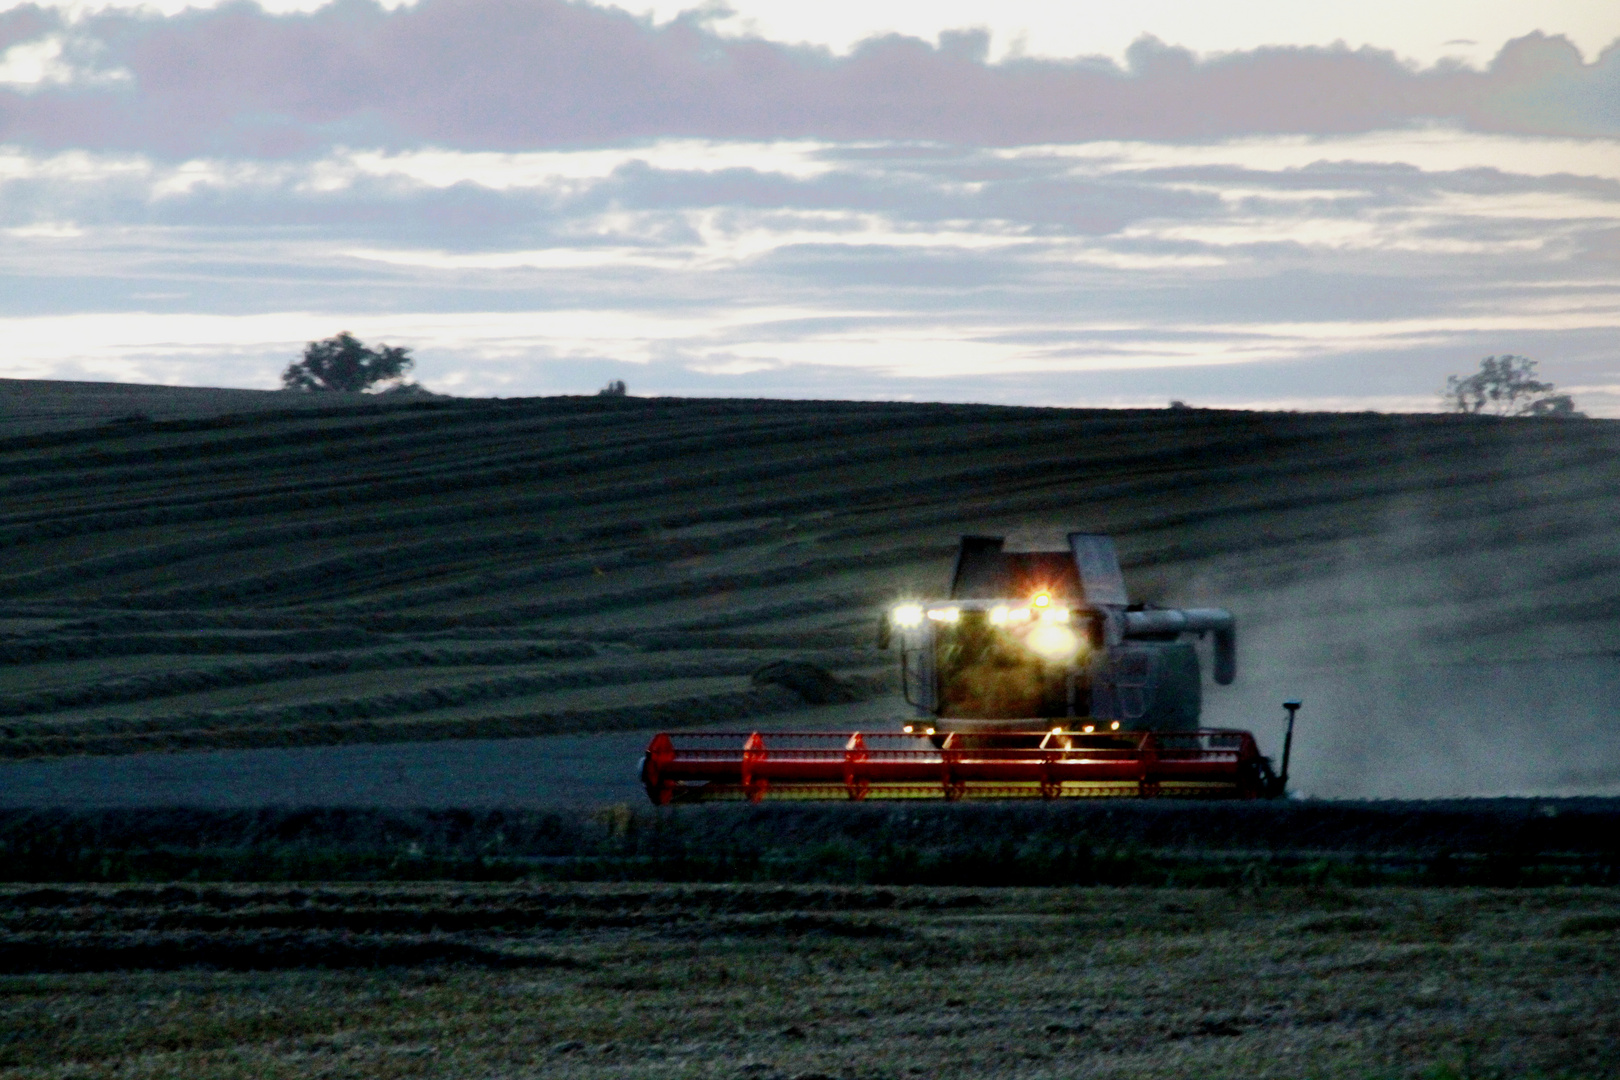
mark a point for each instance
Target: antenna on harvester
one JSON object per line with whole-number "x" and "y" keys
{"x": 1288, "y": 742}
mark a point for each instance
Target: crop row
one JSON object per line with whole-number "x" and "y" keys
{"x": 335, "y": 723}
{"x": 333, "y": 572}
{"x": 195, "y": 680}
{"x": 1100, "y": 457}
{"x": 470, "y": 469}
{"x": 311, "y": 549}
{"x": 350, "y": 708}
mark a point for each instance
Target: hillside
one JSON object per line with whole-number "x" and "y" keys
{"x": 31, "y": 406}
{"x": 1443, "y": 591}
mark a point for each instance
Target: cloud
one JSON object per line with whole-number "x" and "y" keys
{"x": 1279, "y": 271}
{"x": 525, "y": 74}
{"x": 539, "y": 196}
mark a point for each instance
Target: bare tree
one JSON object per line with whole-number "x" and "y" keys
{"x": 344, "y": 363}
{"x": 1506, "y": 386}
{"x": 616, "y": 388}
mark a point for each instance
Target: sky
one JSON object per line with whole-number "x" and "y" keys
{"x": 1267, "y": 204}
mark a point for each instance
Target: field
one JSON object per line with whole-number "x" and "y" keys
{"x": 1494, "y": 842}
{"x": 318, "y": 721}
{"x": 33, "y": 406}
{"x": 1138, "y": 939}
{"x": 695, "y": 981}
{"x": 1443, "y": 591}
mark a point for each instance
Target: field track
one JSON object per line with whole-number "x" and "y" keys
{"x": 415, "y": 571}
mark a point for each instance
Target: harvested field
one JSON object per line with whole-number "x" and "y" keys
{"x": 782, "y": 982}
{"x": 31, "y": 406}
{"x": 593, "y": 769}
{"x": 1495, "y": 842}
{"x": 1444, "y": 592}
{"x": 486, "y": 605}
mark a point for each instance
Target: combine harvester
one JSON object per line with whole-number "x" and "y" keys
{"x": 1038, "y": 678}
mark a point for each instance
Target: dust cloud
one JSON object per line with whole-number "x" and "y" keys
{"x": 1427, "y": 670}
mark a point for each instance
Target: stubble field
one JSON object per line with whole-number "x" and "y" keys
{"x": 1443, "y": 591}
{"x": 781, "y": 982}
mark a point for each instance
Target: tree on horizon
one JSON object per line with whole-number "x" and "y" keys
{"x": 344, "y": 363}
{"x": 1506, "y": 386}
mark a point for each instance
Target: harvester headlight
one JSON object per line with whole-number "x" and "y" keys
{"x": 908, "y": 615}
{"x": 1053, "y": 642}
{"x": 1114, "y": 726}
{"x": 998, "y": 615}
{"x": 1018, "y": 615}
{"x": 1089, "y": 728}
{"x": 945, "y": 614}
{"x": 1056, "y": 614}
{"x": 1042, "y": 600}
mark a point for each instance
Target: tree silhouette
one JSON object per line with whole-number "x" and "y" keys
{"x": 1506, "y": 386}
{"x": 344, "y": 363}
{"x": 615, "y": 388}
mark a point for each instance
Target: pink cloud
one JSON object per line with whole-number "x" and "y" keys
{"x": 514, "y": 74}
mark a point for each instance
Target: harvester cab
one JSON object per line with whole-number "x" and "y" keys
{"x": 1034, "y": 634}
{"x": 1036, "y": 678}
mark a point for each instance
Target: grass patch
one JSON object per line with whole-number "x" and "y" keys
{"x": 1341, "y": 924}
{"x": 1578, "y": 925}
